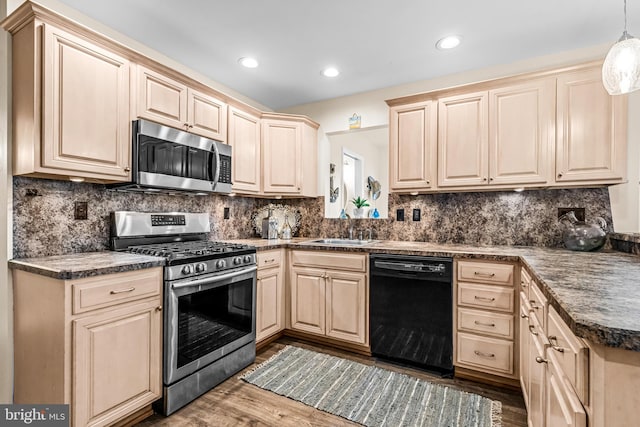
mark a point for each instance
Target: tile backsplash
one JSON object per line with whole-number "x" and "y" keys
{"x": 44, "y": 224}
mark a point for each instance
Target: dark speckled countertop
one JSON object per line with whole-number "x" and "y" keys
{"x": 79, "y": 265}
{"x": 596, "y": 293}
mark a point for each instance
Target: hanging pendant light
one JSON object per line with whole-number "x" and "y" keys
{"x": 621, "y": 68}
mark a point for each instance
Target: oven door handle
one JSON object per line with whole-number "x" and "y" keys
{"x": 216, "y": 158}
{"x": 212, "y": 279}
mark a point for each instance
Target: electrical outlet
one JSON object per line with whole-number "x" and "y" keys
{"x": 578, "y": 211}
{"x": 399, "y": 214}
{"x": 416, "y": 214}
{"x": 226, "y": 213}
{"x": 80, "y": 210}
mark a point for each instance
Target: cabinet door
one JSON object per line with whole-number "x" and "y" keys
{"x": 537, "y": 373}
{"x": 347, "y": 306}
{"x": 463, "y": 140}
{"x": 308, "y": 299}
{"x": 85, "y": 107}
{"x": 270, "y": 303}
{"x": 521, "y": 132}
{"x": 563, "y": 408}
{"x": 244, "y": 137}
{"x": 524, "y": 351}
{"x": 206, "y": 115}
{"x": 412, "y": 146}
{"x": 592, "y": 130}
{"x": 281, "y": 141}
{"x": 117, "y": 363}
{"x": 161, "y": 99}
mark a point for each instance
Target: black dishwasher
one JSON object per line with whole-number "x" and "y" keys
{"x": 411, "y": 310}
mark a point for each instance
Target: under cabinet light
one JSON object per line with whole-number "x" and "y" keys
{"x": 76, "y": 179}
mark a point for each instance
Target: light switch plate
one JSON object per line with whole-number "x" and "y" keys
{"x": 80, "y": 210}
{"x": 399, "y": 214}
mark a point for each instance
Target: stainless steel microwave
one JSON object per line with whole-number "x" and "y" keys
{"x": 166, "y": 159}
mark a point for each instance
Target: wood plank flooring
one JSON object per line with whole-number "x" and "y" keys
{"x": 236, "y": 403}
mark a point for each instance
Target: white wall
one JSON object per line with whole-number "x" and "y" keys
{"x": 333, "y": 115}
{"x": 6, "y": 297}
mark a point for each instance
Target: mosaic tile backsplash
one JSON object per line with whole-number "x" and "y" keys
{"x": 44, "y": 221}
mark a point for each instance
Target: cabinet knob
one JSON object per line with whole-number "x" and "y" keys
{"x": 484, "y": 179}
{"x": 541, "y": 360}
{"x": 127, "y": 169}
{"x": 190, "y": 126}
{"x": 524, "y": 316}
{"x": 428, "y": 183}
{"x": 159, "y": 308}
{"x": 559, "y": 175}
{"x": 491, "y": 179}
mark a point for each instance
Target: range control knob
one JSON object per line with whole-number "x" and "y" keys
{"x": 237, "y": 260}
{"x": 221, "y": 264}
{"x": 201, "y": 267}
{"x": 187, "y": 269}
{"x": 247, "y": 259}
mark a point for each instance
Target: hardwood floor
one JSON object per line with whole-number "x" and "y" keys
{"x": 236, "y": 403}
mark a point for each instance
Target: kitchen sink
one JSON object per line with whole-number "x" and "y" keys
{"x": 350, "y": 242}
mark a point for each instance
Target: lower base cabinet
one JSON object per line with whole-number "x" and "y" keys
{"x": 329, "y": 295}
{"x": 94, "y": 343}
{"x": 270, "y": 298}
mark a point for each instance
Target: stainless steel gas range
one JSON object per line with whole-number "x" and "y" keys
{"x": 209, "y": 299}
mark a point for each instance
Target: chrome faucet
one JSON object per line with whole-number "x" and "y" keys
{"x": 350, "y": 231}
{"x": 369, "y": 233}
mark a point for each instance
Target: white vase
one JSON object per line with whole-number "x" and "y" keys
{"x": 358, "y": 213}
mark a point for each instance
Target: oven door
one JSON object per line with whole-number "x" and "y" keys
{"x": 206, "y": 318}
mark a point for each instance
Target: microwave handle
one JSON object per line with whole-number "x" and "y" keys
{"x": 216, "y": 174}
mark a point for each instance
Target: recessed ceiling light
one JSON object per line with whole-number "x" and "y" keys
{"x": 248, "y": 62}
{"x": 448, "y": 42}
{"x": 330, "y": 72}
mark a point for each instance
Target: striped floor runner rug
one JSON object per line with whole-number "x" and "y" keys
{"x": 370, "y": 395}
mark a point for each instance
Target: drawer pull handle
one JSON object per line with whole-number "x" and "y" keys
{"x": 523, "y": 284}
{"x": 533, "y": 305}
{"x": 269, "y": 260}
{"x": 554, "y": 344}
{"x": 532, "y": 330}
{"x": 122, "y": 291}
{"x": 480, "y": 273}
{"x": 484, "y": 298}
{"x": 541, "y": 360}
{"x": 491, "y": 325}
{"x": 482, "y": 354}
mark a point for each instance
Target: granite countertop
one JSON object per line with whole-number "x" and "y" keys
{"x": 596, "y": 293}
{"x": 79, "y": 265}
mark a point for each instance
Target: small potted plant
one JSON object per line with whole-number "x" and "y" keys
{"x": 360, "y": 204}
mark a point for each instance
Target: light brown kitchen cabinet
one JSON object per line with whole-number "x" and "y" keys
{"x": 329, "y": 295}
{"x": 537, "y": 374}
{"x": 94, "y": 343}
{"x": 270, "y": 299}
{"x": 244, "y": 138}
{"x": 289, "y": 156}
{"x": 171, "y": 102}
{"x": 500, "y": 137}
{"x": 413, "y": 131}
{"x": 485, "y": 333}
{"x": 592, "y": 129}
{"x": 463, "y": 140}
{"x": 70, "y": 104}
{"x": 563, "y": 407}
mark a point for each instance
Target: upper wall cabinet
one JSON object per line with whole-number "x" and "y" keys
{"x": 556, "y": 128}
{"x": 412, "y": 146}
{"x": 289, "y": 156}
{"x": 168, "y": 101}
{"x": 244, "y": 138}
{"x": 70, "y": 104}
{"x": 592, "y": 130}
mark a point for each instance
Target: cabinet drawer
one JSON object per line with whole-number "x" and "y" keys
{"x": 268, "y": 259}
{"x": 332, "y": 260}
{"x": 483, "y": 296}
{"x": 485, "y": 272}
{"x": 538, "y": 303}
{"x": 525, "y": 282}
{"x": 485, "y": 353}
{"x": 104, "y": 291}
{"x": 570, "y": 353}
{"x": 499, "y": 325}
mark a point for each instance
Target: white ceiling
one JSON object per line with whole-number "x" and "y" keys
{"x": 374, "y": 43}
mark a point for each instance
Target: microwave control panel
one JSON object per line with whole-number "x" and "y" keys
{"x": 225, "y": 169}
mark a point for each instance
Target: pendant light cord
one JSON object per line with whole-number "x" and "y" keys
{"x": 625, "y": 16}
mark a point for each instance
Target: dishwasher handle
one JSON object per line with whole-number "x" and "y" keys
{"x": 408, "y": 267}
